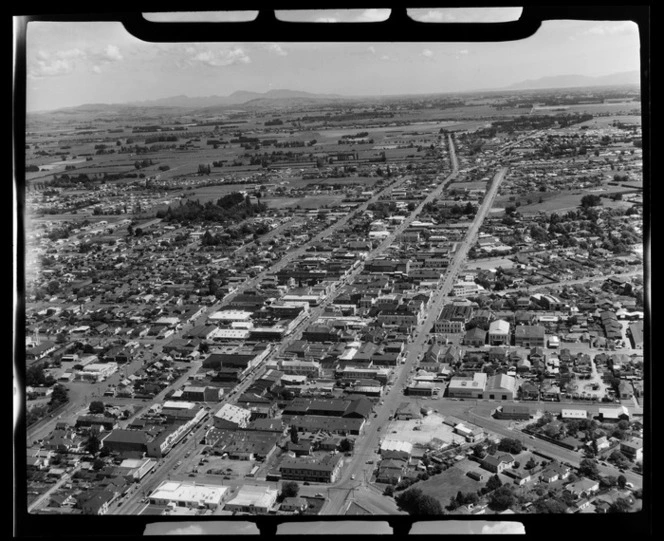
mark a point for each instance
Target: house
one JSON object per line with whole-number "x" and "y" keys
{"x": 391, "y": 470}
{"x": 633, "y": 449}
{"x": 95, "y": 502}
{"x": 295, "y": 504}
{"x": 529, "y": 391}
{"x": 625, "y": 390}
{"x": 584, "y": 487}
{"x": 497, "y": 463}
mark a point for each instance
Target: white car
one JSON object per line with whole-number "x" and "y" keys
{"x": 352, "y": 477}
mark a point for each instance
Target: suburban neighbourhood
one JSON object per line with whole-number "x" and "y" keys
{"x": 403, "y": 306}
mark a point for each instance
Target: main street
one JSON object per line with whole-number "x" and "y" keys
{"x": 367, "y": 444}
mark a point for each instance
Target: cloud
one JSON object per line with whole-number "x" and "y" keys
{"x": 65, "y": 61}
{"x": 427, "y": 53}
{"x": 371, "y": 49}
{"x": 276, "y": 49}
{"x": 215, "y": 58}
{"x": 611, "y": 28}
{"x": 326, "y": 20}
{"x": 112, "y": 53}
{"x": 53, "y": 64}
{"x": 384, "y": 57}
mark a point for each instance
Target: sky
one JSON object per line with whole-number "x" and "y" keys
{"x": 74, "y": 63}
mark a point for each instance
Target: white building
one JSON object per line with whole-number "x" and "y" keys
{"x": 466, "y": 289}
{"x": 229, "y": 316}
{"x": 191, "y": 495}
{"x": 253, "y": 499}
{"x": 230, "y": 416}
{"x": 95, "y": 372}
{"x": 499, "y": 332}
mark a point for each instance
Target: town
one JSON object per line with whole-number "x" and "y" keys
{"x": 411, "y": 305}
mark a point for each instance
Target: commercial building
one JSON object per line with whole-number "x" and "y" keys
{"x": 465, "y": 387}
{"x": 500, "y": 387}
{"x": 512, "y": 412}
{"x": 257, "y": 500}
{"x": 190, "y": 495}
{"x": 529, "y": 336}
{"x": 233, "y": 417}
{"x": 324, "y": 470}
{"x": 95, "y": 372}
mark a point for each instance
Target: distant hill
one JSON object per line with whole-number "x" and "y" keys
{"x": 236, "y": 98}
{"x": 572, "y": 81}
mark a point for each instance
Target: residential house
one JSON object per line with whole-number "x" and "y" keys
{"x": 582, "y": 488}
{"x": 497, "y": 463}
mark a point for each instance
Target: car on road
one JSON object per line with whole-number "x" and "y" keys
{"x": 352, "y": 477}
{"x": 318, "y": 495}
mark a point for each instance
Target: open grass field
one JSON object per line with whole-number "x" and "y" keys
{"x": 312, "y": 202}
{"x": 445, "y": 485}
{"x": 604, "y": 121}
{"x": 560, "y": 202}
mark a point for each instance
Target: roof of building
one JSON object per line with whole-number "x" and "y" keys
{"x": 500, "y": 326}
{"x": 501, "y": 381}
{"x": 233, "y": 414}
{"x": 529, "y": 331}
{"x": 189, "y": 492}
{"x": 126, "y": 436}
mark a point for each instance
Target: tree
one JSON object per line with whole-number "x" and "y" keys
{"x": 290, "y": 490}
{"x": 59, "y": 396}
{"x": 502, "y": 498}
{"x": 493, "y": 483}
{"x": 492, "y": 448}
{"x": 622, "y": 481}
{"x": 620, "y": 505}
{"x": 346, "y": 445}
{"x": 294, "y": 436}
{"x": 97, "y": 406}
{"x": 478, "y": 451}
{"x": 510, "y": 445}
{"x": 414, "y": 502}
{"x": 98, "y": 464}
{"x": 588, "y": 468}
{"x": 93, "y": 444}
{"x": 531, "y": 463}
{"x": 591, "y": 200}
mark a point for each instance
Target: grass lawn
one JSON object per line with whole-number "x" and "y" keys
{"x": 446, "y": 485}
{"x": 314, "y": 202}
